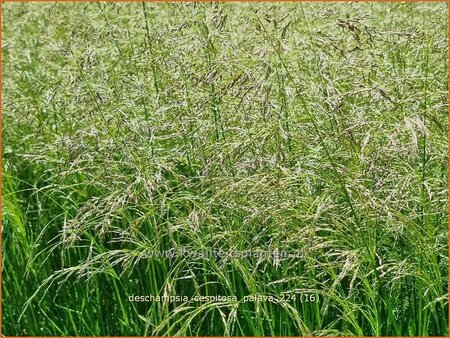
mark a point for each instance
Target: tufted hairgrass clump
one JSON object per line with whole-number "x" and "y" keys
{"x": 315, "y": 133}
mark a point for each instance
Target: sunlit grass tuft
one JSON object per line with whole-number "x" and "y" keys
{"x": 133, "y": 129}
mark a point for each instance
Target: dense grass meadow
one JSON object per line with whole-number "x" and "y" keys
{"x": 313, "y": 134}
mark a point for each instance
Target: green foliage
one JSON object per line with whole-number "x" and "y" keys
{"x": 135, "y": 128}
